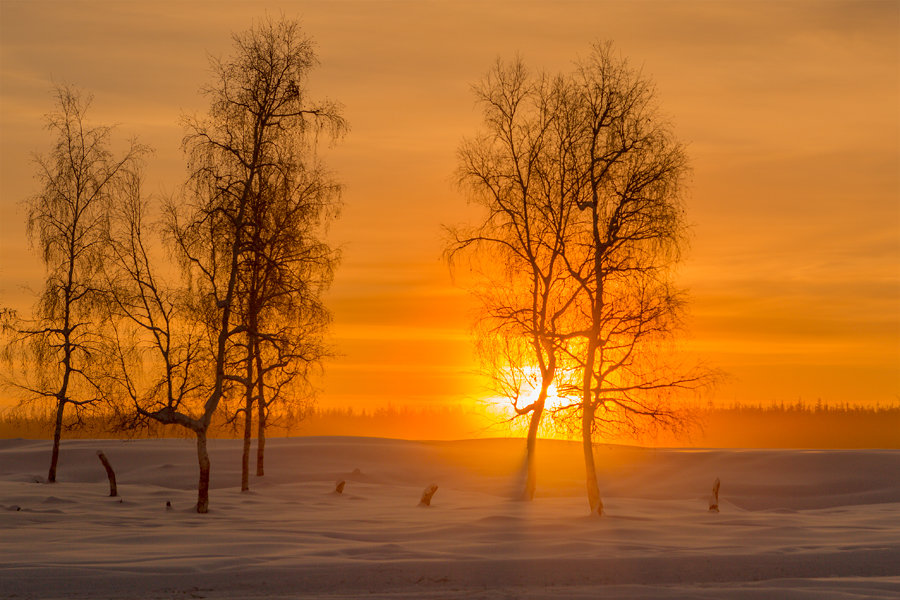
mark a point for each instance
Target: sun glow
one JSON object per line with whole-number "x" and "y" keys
{"x": 520, "y": 390}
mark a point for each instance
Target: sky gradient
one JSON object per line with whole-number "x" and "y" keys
{"x": 790, "y": 110}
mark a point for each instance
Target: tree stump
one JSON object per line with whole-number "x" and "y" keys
{"x": 339, "y": 488}
{"x": 109, "y": 473}
{"x": 714, "y": 499}
{"x": 427, "y": 494}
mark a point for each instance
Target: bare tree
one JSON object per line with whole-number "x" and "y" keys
{"x": 245, "y": 156}
{"x": 630, "y": 232}
{"x": 158, "y": 332}
{"x": 68, "y": 222}
{"x": 519, "y": 171}
{"x": 581, "y": 179}
{"x": 287, "y": 270}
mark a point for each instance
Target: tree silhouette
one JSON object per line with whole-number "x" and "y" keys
{"x": 288, "y": 266}
{"x": 244, "y": 236}
{"x": 581, "y": 180}
{"x": 519, "y": 171}
{"x": 630, "y": 231}
{"x": 68, "y": 221}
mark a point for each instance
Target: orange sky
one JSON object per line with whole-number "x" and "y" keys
{"x": 790, "y": 112}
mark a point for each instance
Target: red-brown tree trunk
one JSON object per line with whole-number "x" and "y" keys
{"x": 57, "y": 433}
{"x": 245, "y": 454}
{"x": 248, "y": 421}
{"x": 261, "y": 439}
{"x": 261, "y": 415}
{"x": 110, "y": 474}
{"x": 203, "y": 485}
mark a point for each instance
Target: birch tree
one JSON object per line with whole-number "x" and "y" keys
{"x": 244, "y": 157}
{"x": 519, "y": 171}
{"x": 81, "y": 179}
{"x": 287, "y": 269}
{"x": 631, "y": 230}
{"x": 582, "y": 183}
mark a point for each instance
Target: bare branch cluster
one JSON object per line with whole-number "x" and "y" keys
{"x": 581, "y": 181}
{"x": 55, "y": 356}
{"x": 236, "y": 320}
{"x": 246, "y": 231}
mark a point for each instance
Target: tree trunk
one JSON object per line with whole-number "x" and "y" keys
{"x": 245, "y": 454}
{"x": 590, "y": 469}
{"x": 110, "y": 474}
{"x": 531, "y": 444}
{"x": 261, "y": 416}
{"x": 248, "y": 415}
{"x": 427, "y": 495}
{"x": 57, "y": 433}
{"x": 260, "y": 439}
{"x": 203, "y": 485}
{"x": 587, "y": 426}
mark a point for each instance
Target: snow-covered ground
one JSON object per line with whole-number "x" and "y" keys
{"x": 793, "y": 524}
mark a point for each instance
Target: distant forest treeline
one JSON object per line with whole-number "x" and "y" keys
{"x": 797, "y": 425}
{"x": 453, "y": 422}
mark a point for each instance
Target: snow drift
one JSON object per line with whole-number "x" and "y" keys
{"x": 793, "y": 524}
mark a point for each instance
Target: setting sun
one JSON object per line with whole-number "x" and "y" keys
{"x": 527, "y": 393}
